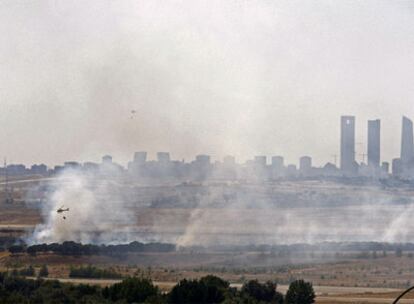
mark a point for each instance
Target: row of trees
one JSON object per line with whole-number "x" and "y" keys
{"x": 90, "y": 271}
{"x": 209, "y": 289}
{"x": 73, "y": 248}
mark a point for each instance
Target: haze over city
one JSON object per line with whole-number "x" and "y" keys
{"x": 206, "y": 151}
{"x": 235, "y": 77}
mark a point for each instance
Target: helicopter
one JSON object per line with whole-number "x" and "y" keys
{"x": 133, "y": 112}
{"x": 61, "y": 209}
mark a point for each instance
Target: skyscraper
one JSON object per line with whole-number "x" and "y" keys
{"x": 407, "y": 146}
{"x": 374, "y": 141}
{"x": 348, "y": 164}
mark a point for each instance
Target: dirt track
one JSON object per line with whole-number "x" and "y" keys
{"x": 358, "y": 300}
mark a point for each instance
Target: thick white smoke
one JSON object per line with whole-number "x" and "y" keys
{"x": 104, "y": 209}
{"x": 258, "y": 219}
{"x": 97, "y": 212}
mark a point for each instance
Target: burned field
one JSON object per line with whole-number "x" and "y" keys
{"x": 329, "y": 233}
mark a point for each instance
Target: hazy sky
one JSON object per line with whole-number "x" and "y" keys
{"x": 217, "y": 77}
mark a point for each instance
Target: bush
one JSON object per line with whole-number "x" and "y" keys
{"x": 211, "y": 280}
{"x": 188, "y": 291}
{"x": 91, "y": 272}
{"x": 209, "y": 289}
{"x": 73, "y": 248}
{"x": 16, "y": 249}
{"x": 133, "y": 290}
{"x": 216, "y": 288}
{"x": 43, "y": 272}
{"x": 300, "y": 292}
{"x": 262, "y": 292}
{"x": 28, "y": 272}
{"x": 21, "y": 290}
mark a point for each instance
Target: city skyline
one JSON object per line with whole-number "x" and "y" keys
{"x": 348, "y": 163}
{"x": 231, "y": 78}
{"x": 208, "y": 151}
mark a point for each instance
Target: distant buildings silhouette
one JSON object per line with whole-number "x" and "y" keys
{"x": 164, "y": 168}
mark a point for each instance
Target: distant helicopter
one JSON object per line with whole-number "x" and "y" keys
{"x": 133, "y": 112}
{"x": 61, "y": 210}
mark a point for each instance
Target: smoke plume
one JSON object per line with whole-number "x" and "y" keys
{"x": 106, "y": 207}
{"x": 97, "y": 211}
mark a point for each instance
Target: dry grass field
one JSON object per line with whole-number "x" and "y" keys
{"x": 353, "y": 281}
{"x": 350, "y": 277}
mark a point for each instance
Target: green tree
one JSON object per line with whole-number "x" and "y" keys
{"x": 300, "y": 292}
{"x": 93, "y": 272}
{"x": 262, "y": 292}
{"x": 188, "y": 291}
{"x": 132, "y": 290}
{"x": 209, "y": 289}
{"x": 216, "y": 288}
{"x": 211, "y": 280}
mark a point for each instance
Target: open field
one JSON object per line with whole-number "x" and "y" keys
{"x": 242, "y": 214}
{"x": 387, "y": 272}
